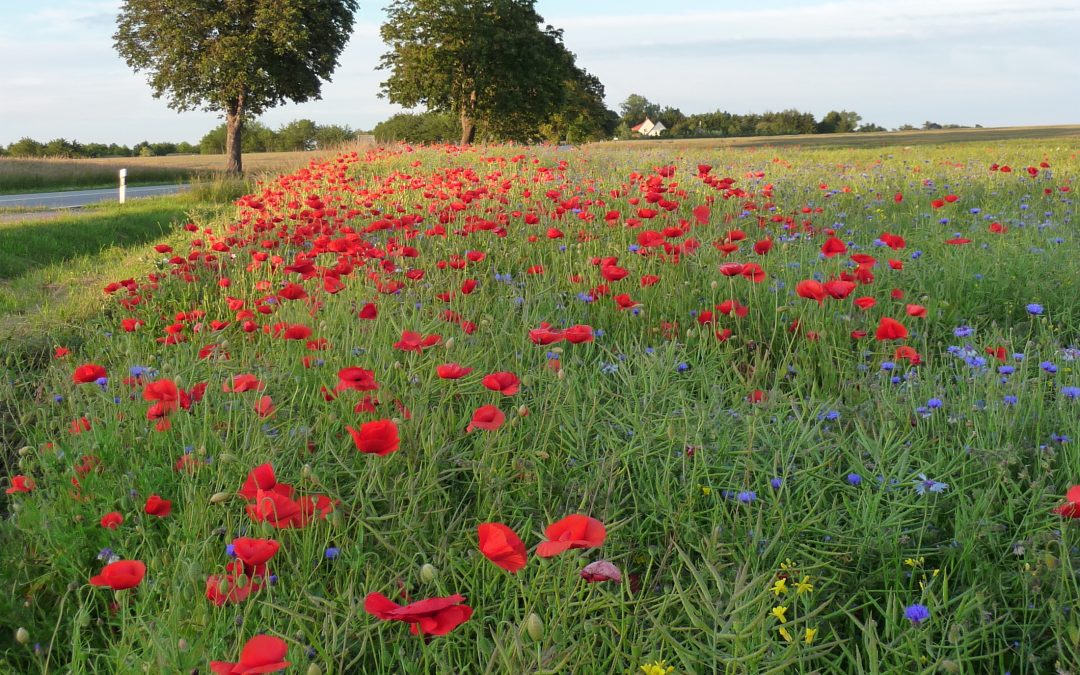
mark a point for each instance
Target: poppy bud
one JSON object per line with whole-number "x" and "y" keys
{"x": 428, "y": 573}
{"x": 534, "y": 627}
{"x": 523, "y": 411}
{"x": 25, "y": 450}
{"x": 449, "y": 344}
{"x": 226, "y": 458}
{"x": 561, "y": 374}
{"x": 305, "y": 471}
{"x": 219, "y": 497}
{"x": 314, "y": 670}
{"x": 22, "y": 636}
{"x": 713, "y": 284}
{"x": 950, "y": 666}
{"x": 182, "y": 645}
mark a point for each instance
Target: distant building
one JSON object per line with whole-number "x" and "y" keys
{"x": 649, "y": 128}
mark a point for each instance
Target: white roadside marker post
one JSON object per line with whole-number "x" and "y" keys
{"x": 123, "y": 185}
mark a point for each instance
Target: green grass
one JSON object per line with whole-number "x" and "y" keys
{"x": 648, "y": 428}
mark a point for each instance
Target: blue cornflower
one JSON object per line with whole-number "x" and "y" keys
{"x": 854, "y": 479}
{"x": 332, "y": 552}
{"x": 683, "y": 367}
{"x": 924, "y": 485}
{"x": 916, "y": 614}
{"x": 1034, "y": 309}
{"x": 746, "y": 496}
{"x": 1071, "y": 393}
{"x": 963, "y": 331}
{"x": 887, "y": 365}
{"x": 776, "y": 482}
{"x": 934, "y": 403}
{"x": 230, "y": 551}
{"x": 1009, "y": 399}
{"x": 1049, "y": 367}
{"x": 1006, "y": 370}
{"x": 609, "y": 368}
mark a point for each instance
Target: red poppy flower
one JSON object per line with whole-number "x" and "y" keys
{"x": 503, "y": 382}
{"x": 573, "y": 531}
{"x": 88, "y": 373}
{"x": 916, "y": 310}
{"x": 865, "y": 302}
{"x": 1071, "y": 509}
{"x": 811, "y": 290}
{"x": 254, "y": 552}
{"x": 434, "y": 616}
{"x": 111, "y": 520}
{"x": 763, "y": 247}
{"x": 20, "y": 483}
{"x": 242, "y": 383}
{"x": 545, "y": 336}
{"x": 890, "y": 329}
{"x": 578, "y": 334}
{"x": 358, "y": 379}
{"x": 839, "y": 288}
{"x": 368, "y": 312}
{"x": 156, "y": 506}
{"x": 261, "y": 654}
{"x": 120, "y": 575}
{"x": 452, "y": 371}
{"x": 225, "y": 588}
{"x": 908, "y": 353}
{"x": 501, "y": 545}
{"x": 601, "y": 570}
{"x": 833, "y": 247}
{"x": 486, "y": 417}
{"x": 376, "y": 438}
{"x": 296, "y": 332}
{"x": 281, "y": 511}
{"x": 264, "y": 406}
{"x": 261, "y": 478}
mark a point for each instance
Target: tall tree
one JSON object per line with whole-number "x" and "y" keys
{"x": 489, "y": 62}
{"x": 636, "y": 108}
{"x": 238, "y": 57}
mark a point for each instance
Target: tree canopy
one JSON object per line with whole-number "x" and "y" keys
{"x": 239, "y": 57}
{"x": 489, "y": 62}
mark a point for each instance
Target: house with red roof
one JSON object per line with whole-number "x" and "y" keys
{"x": 649, "y": 128}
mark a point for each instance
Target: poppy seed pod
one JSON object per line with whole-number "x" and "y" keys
{"x": 219, "y": 497}
{"x": 534, "y": 627}
{"x": 449, "y": 344}
{"x": 428, "y": 573}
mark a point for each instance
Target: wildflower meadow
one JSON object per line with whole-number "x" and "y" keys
{"x": 589, "y": 410}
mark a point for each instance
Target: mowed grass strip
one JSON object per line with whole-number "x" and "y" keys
{"x": 44, "y": 175}
{"x": 52, "y": 271}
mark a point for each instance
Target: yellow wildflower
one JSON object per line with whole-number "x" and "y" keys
{"x": 915, "y": 562}
{"x": 658, "y": 668}
{"x": 779, "y": 612}
{"x": 788, "y": 565}
{"x": 804, "y": 586}
{"x": 779, "y": 587}
{"x": 811, "y": 633}
{"x": 785, "y": 634}
{"x": 706, "y": 490}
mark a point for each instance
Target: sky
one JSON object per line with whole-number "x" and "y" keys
{"x": 988, "y": 62}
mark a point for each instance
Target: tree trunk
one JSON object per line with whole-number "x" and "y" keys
{"x": 234, "y": 127}
{"x": 468, "y": 124}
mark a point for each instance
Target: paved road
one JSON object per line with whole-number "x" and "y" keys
{"x": 75, "y": 198}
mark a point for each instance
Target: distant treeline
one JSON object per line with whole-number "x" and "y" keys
{"x": 441, "y": 127}
{"x": 257, "y": 137}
